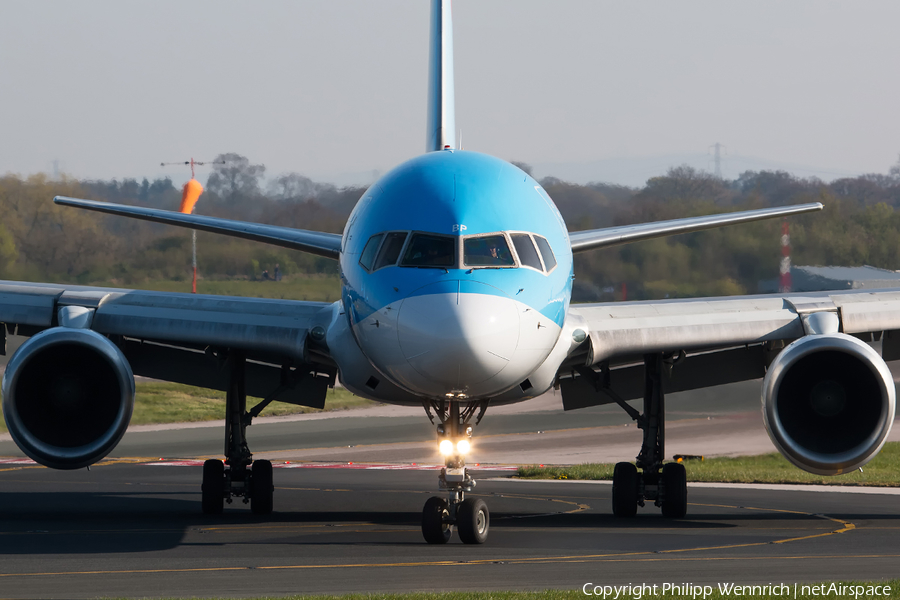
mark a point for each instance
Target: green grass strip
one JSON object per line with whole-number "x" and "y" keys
{"x": 161, "y": 402}
{"x": 844, "y": 590}
{"x": 158, "y": 402}
{"x": 883, "y": 470}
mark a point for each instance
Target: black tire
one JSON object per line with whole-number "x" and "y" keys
{"x": 473, "y": 521}
{"x": 674, "y": 479}
{"x": 212, "y": 492}
{"x": 435, "y": 527}
{"x": 625, "y": 490}
{"x": 261, "y": 487}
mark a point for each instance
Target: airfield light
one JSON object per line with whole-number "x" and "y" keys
{"x": 446, "y": 447}
{"x": 463, "y": 446}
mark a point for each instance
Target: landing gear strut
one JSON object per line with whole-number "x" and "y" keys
{"x": 470, "y": 515}
{"x": 664, "y": 484}
{"x": 243, "y": 476}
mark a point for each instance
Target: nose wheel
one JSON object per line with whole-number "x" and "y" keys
{"x": 473, "y": 521}
{"x": 470, "y": 516}
{"x": 436, "y": 525}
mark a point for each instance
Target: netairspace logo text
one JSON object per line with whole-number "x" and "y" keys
{"x": 798, "y": 590}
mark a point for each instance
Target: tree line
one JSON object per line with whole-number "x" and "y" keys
{"x": 40, "y": 241}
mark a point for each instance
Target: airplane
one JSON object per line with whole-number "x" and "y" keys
{"x": 456, "y": 275}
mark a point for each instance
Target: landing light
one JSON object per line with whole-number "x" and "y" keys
{"x": 463, "y": 446}
{"x": 446, "y": 447}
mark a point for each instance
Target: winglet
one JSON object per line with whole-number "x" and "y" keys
{"x": 441, "y": 132}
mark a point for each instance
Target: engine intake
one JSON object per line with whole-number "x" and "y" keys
{"x": 68, "y": 395}
{"x": 828, "y": 403}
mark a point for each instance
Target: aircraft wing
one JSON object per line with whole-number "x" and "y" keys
{"x": 183, "y": 337}
{"x": 314, "y": 242}
{"x": 595, "y": 239}
{"x": 711, "y": 341}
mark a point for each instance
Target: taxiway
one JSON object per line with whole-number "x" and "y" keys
{"x": 131, "y": 526}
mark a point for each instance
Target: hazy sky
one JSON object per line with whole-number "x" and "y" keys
{"x": 323, "y": 87}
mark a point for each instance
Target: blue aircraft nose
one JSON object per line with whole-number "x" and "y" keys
{"x": 459, "y": 334}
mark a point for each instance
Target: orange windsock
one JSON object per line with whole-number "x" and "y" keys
{"x": 189, "y": 196}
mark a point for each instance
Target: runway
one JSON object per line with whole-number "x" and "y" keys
{"x": 131, "y": 526}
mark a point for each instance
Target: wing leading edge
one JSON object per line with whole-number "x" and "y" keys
{"x": 595, "y": 239}
{"x": 314, "y": 242}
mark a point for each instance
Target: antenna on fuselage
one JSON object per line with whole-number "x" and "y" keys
{"x": 441, "y": 133}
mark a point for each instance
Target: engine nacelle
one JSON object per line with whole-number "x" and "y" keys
{"x": 68, "y": 395}
{"x": 828, "y": 403}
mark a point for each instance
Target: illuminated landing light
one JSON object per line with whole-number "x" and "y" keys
{"x": 463, "y": 446}
{"x": 446, "y": 447}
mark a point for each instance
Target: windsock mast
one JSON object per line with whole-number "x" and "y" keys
{"x": 189, "y": 196}
{"x": 441, "y": 132}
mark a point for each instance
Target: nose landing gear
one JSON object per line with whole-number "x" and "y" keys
{"x": 470, "y": 515}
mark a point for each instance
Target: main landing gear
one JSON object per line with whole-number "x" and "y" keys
{"x": 663, "y": 484}
{"x": 470, "y": 515}
{"x": 243, "y": 476}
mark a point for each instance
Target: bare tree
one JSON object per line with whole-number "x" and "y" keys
{"x": 236, "y": 179}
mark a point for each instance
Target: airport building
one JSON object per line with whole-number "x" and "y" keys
{"x": 820, "y": 279}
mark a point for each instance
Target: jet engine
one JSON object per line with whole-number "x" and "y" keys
{"x": 828, "y": 403}
{"x": 67, "y": 397}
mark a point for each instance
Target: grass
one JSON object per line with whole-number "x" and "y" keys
{"x": 320, "y": 288}
{"x": 850, "y": 591}
{"x": 883, "y": 470}
{"x": 161, "y": 402}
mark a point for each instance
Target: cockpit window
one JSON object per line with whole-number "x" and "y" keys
{"x": 528, "y": 256}
{"x": 390, "y": 250}
{"x": 368, "y": 254}
{"x": 487, "y": 251}
{"x": 546, "y": 252}
{"x": 427, "y": 250}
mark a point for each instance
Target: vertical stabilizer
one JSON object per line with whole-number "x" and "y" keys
{"x": 441, "y": 110}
